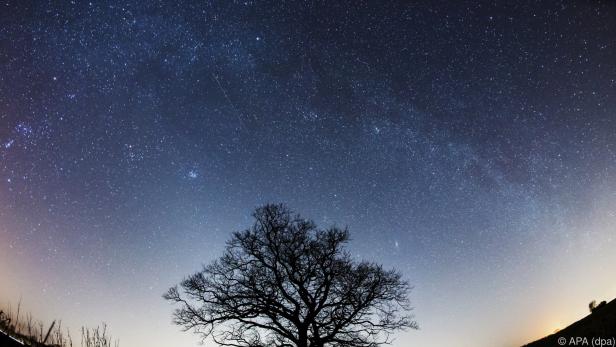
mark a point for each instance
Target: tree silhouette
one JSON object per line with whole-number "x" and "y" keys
{"x": 284, "y": 282}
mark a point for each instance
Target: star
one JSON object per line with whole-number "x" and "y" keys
{"x": 147, "y": 132}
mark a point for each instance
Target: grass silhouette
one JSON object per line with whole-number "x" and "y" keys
{"x": 26, "y": 330}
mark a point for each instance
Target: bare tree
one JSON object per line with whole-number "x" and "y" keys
{"x": 284, "y": 282}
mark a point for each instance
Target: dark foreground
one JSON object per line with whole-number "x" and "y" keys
{"x": 596, "y": 329}
{"x": 6, "y": 341}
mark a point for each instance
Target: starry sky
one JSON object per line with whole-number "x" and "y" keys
{"x": 471, "y": 145}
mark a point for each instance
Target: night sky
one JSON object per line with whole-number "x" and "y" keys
{"x": 470, "y": 145}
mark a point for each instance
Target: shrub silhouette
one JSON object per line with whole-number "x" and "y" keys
{"x": 592, "y": 305}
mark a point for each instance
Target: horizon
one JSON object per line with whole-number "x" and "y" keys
{"x": 471, "y": 146}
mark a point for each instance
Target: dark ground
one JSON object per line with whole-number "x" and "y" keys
{"x": 599, "y": 324}
{"x": 6, "y": 341}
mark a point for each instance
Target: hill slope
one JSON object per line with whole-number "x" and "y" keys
{"x": 600, "y": 323}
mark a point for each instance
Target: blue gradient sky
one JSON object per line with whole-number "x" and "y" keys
{"x": 470, "y": 145}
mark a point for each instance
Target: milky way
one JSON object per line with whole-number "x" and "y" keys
{"x": 470, "y": 145}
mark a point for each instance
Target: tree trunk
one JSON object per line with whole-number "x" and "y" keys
{"x": 302, "y": 340}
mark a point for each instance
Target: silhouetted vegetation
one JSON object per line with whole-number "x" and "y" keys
{"x": 37, "y": 334}
{"x": 603, "y": 303}
{"x": 284, "y": 282}
{"x": 600, "y": 324}
{"x": 592, "y": 306}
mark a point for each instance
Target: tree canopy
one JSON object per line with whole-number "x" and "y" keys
{"x": 284, "y": 282}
